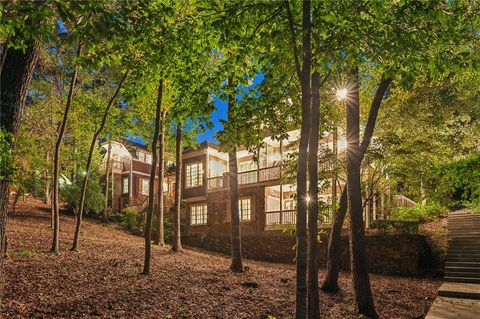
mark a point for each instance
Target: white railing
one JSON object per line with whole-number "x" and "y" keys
{"x": 403, "y": 201}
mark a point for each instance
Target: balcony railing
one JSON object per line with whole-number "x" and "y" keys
{"x": 286, "y": 217}
{"x": 259, "y": 175}
{"x": 216, "y": 182}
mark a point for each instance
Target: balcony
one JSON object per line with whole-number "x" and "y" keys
{"x": 280, "y": 218}
{"x": 216, "y": 182}
{"x": 259, "y": 175}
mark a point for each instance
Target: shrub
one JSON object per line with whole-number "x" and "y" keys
{"x": 420, "y": 213}
{"x": 396, "y": 226}
{"x": 128, "y": 218}
{"x": 94, "y": 199}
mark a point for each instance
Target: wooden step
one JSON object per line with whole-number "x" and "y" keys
{"x": 460, "y": 274}
{"x": 463, "y": 279}
{"x": 459, "y": 290}
{"x": 462, "y": 264}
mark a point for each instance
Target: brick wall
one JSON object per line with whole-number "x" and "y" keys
{"x": 392, "y": 254}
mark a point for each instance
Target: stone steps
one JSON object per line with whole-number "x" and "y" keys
{"x": 462, "y": 264}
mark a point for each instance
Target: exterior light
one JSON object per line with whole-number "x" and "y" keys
{"x": 308, "y": 199}
{"x": 341, "y": 94}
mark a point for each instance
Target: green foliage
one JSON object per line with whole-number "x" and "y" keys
{"x": 94, "y": 199}
{"x": 396, "y": 226}
{"x": 420, "y": 213}
{"x": 23, "y": 252}
{"x": 128, "y": 218}
{"x": 6, "y": 163}
{"x": 456, "y": 183}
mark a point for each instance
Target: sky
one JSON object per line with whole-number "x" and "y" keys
{"x": 220, "y": 113}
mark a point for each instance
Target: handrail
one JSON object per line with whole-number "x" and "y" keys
{"x": 403, "y": 201}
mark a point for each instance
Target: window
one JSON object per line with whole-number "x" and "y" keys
{"x": 145, "y": 185}
{"x": 141, "y": 156}
{"x": 194, "y": 174}
{"x": 148, "y": 158}
{"x": 125, "y": 185}
{"x": 198, "y": 214}
{"x": 245, "y": 207}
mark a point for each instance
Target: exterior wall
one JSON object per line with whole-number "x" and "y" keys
{"x": 218, "y": 209}
{"x": 394, "y": 254}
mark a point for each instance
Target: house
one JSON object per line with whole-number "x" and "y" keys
{"x": 131, "y": 163}
{"x": 266, "y": 196}
{"x": 266, "y": 190}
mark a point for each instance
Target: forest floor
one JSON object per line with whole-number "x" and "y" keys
{"x": 102, "y": 280}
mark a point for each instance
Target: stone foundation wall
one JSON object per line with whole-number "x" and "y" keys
{"x": 392, "y": 254}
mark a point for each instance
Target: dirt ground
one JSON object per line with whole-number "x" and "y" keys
{"x": 102, "y": 280}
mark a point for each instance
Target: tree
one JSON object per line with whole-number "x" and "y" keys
{"x": 236, "y": 241}
{"x": 151, "y": 191}
{"x": 160, "y": 236}
{"x": 15, "y": 78}
{"x": 93, "y": 144}
{"x": 56, "y": 159}
{"x": 177, "y": 243}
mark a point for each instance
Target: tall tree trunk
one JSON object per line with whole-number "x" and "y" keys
{"x": 47, "y": 180}
{"x": 15, "y": 78}
{"x": 160, "y": 236}
{"x": 56, "y": 160}
{"x": 108, "y": 166}
{"x": 358, "y": 258}
{"x": 151, "y": 188}
{"x": 236, "y": 239}
{"x": 301, "y": 256}
{"x": 93, "y": 143}
{"x": 330, "y": 283}
{"x": 177, "y": 243}
{"x": 313, "y": 297}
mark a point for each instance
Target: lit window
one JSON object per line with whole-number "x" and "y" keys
{"x": 194, "y": 175}
{"x": 245, "y": 207}
{"x": 145, "y": 186}
{"x": 125, "y": 185}
{"x": 141, "y": 156}
{"x": 148, "y": 158}
{"x": 198, "y": 214}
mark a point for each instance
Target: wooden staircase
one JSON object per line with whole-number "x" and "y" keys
{"x": 462, "y": 263}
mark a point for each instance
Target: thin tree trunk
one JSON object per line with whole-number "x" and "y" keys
{"x": 160, "y": 236}
{"x": 47, "y": 180}
{"x": 93, "y": 143}
{"x": 302, "y": 250}
{"x": 313, "y": 296}
{"x": 107, "y": 177}
{"x": 358, "y": 258}
{"x": 15, "y": 78}
{"x": 177, "y": 243}
{"x": 151, "y": 188}
{"x": 236, "y": 239}
{"x": 330, "y": 283}
{"x": 56, "y": 160}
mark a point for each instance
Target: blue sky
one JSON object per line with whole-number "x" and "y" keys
{"x": 220, "y": 113}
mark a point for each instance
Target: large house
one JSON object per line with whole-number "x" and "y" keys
{"x": 266, "y": 193}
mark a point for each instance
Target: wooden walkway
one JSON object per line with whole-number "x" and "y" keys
{"x": 459, "y": 296}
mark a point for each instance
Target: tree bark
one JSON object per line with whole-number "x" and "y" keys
{"x": 16, "y": 73}
{"x": 47, "y": 180}
{"x": 56, "y": 160}
{"x": 301, "y": 256}
{"x": 89, "y": 163}
{"x": 177, "y": 243}
{"x": 313, "y": 296}
{"x": 330, "y": 283}
{"x": 160, "y": 236}
{"x": 151, "y": 188}
{"x": 107, "y": 175}
{"x": 236, "y": 239}
{"x": 358, "y": 258}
